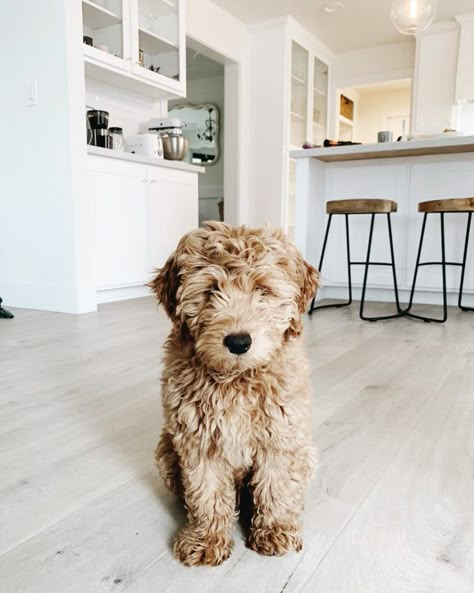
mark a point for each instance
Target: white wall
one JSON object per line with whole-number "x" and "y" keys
{"x": 127, "y": 110}
{"x": 374, "y": 108}
{"x": 45, "y": 260}
{"x": 225, "y": 38}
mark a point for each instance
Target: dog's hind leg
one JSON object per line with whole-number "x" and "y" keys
{"x": 167, "y": 462}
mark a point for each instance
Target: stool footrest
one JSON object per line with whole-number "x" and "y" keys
{"x": 370, "y": 263}
{"x": 440, "y": 263}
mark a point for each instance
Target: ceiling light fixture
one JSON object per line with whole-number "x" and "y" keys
{"x": 332, "y": 7}
{"x": 410, "y": 17}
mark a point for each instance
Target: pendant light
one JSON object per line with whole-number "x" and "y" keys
{"x": 413, "y": 16}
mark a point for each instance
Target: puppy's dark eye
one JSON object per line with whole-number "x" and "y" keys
{"x": 213, "y": 288}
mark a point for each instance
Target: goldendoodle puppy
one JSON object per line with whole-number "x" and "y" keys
{"x": 235, "y": 387}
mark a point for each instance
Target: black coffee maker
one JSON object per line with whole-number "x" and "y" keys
{"x": 97, "y": 128}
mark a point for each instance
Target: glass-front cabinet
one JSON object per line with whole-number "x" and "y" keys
{"x": 308, "y": 114}
{"x": 320, "y": 101}
{"x": 142, "y": 39}
{"x": 299, "y": 95}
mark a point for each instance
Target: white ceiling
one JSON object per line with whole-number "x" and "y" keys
{"x": 361, "y": 23}
{"x": 386, "y": 86}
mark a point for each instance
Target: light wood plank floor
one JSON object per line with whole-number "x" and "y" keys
{"x": 82, "y": 509}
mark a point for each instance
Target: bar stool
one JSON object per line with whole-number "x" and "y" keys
{"x": 442, "y": 207}
{"x": 348, "y": 208}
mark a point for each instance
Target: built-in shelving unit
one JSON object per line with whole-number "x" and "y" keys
{"x": 97, "y": 16}
{"x": 142, "y": 41}
{"x": 308, "y": 114}
{"x": 153, "y": 43}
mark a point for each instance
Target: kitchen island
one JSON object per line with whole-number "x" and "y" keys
{"x": 407, "y": 172}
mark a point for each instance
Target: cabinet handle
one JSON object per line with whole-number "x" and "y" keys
{"x": 152, "y": 180}
{"x": 144, "y": 180}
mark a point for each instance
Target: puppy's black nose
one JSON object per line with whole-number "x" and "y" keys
{"x": 238, "y": 343}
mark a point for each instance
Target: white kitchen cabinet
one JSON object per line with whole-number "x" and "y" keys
{"x": 118, "y": 198}
{"x": 172, "y": 212}
{"x": 465, "y": 68}
{"x": 289, "y": 77}
{"x": 139, "y": 212}
{"x": 435, "y": 79}
{"x": 138, "y": 44}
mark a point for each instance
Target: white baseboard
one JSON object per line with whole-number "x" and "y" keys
{"x": 111, "y": 295}
{"x": 43, "y": 296}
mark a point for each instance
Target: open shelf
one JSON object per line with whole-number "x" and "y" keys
{"x": 346, "y": 121}
{"x": 160, "y": 8}
{"x": 152, "y": 43}
{"x": 298, "y": 80}
{"x": 297, "y": 116}
{"x": 98, "y": 17}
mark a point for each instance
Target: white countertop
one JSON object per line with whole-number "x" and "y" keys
{"x": 146, "y": 160}
{"x": 430, "y": 146}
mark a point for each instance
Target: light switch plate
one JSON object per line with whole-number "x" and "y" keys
{"x": 31, "y": 91}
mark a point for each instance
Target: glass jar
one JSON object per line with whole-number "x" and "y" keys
{"x": 117, "y": 141}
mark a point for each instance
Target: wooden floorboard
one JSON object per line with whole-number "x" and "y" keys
{"x": 82, "y": 510}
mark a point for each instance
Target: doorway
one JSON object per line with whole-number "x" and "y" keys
{"x": 209, "y": 106}
{"x": 382, "y": 106}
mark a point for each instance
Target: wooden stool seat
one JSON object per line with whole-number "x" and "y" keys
{"x": 448, "y": 205}
{"x": 370, "y": 206}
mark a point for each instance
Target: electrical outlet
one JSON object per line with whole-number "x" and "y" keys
{"x": 31, "y": 92}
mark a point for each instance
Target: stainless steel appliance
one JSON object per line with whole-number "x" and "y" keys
{"x": 170, "y": 130}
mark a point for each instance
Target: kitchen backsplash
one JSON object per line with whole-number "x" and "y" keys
{"x": 127, "y": 110}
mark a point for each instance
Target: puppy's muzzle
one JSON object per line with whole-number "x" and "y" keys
{"x": 238, "y": 343}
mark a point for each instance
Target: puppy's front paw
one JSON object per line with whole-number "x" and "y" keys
{"x": 275, "y": 541}
{"x": 193, "y": 548}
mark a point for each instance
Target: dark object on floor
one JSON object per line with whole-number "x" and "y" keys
{"x": 442, "y": 207}
{"x": 347, "y": 208}
{"x": 4, "y": 314}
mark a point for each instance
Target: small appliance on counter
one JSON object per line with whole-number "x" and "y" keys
{"x": 145, "y": 144}
{"x": 98, "y": 122}
{"x": 170, "y": 131}
{"x": 117, "y": 140}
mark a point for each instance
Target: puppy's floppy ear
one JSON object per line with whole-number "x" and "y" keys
{"x": 165, "y": 285}
{"x": 309, "y": 282}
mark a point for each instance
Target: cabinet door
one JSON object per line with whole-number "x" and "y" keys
{"x": 172, "y": 212}
{"x": 159, "y": 43}
{"x": 435, "y": 81}
{"x": 299, "y": 95}
{"x": 107, "y": 25}
{"x": 118, "y": 197}
{"x": 320, "y": 100}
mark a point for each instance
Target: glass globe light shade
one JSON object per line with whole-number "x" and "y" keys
{"x": 413, "y": 16}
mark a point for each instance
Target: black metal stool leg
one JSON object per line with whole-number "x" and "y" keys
{"x": 323, "y": 252}
{"x": 392, "y": 255}
{"x": 367, "y": 265}
{"x": 4, "y": 313}
{"x": 417, "y": 265}
{"x": 366, "y": 271}
{"x": 463, "y": 269}
{"x": 443, "y": 265}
